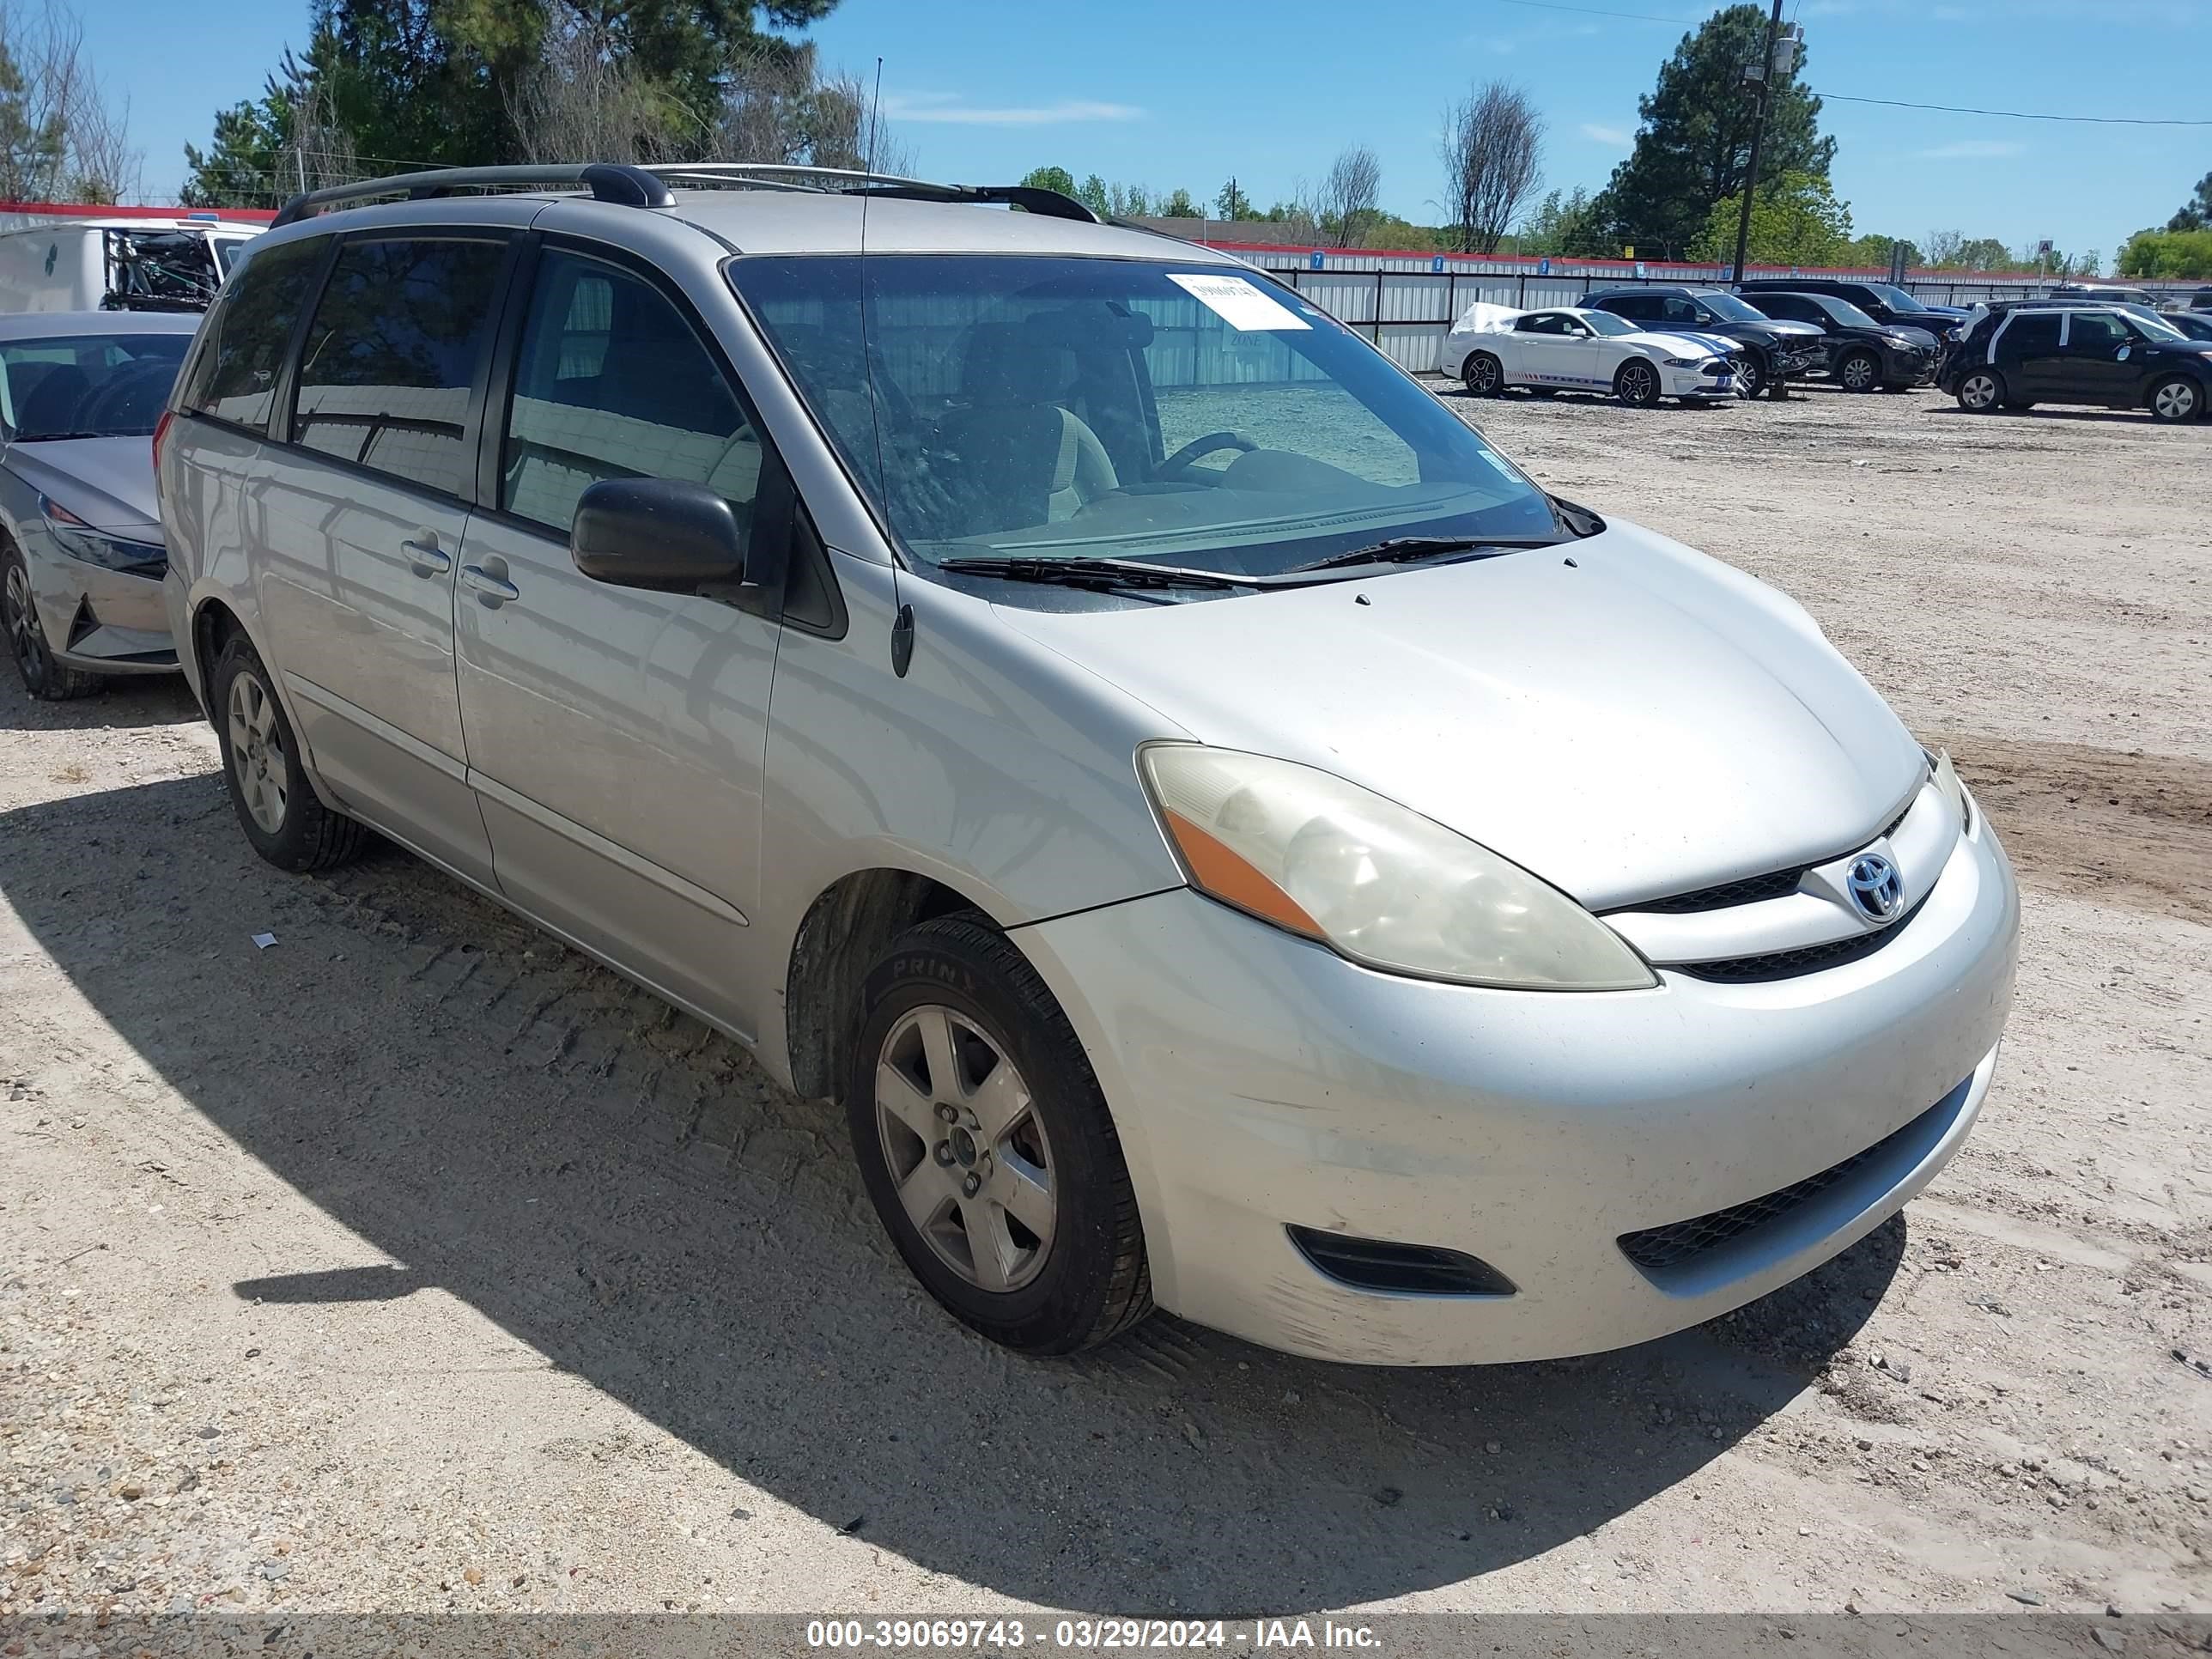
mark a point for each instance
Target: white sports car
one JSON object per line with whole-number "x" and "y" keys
{"x": 1567, "y": 350}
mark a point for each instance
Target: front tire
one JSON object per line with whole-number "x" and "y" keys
{"x": 2176, "y": 399}
{"x": 986, "y": 1147}
{"x": 1636, "y": 382}
{"x": 1484, "y": 374}
{"x": 283, "y": 817}
{"x": 1750, "y": 376}
{"x": 1982, "y": 390}
{"x": 1859, "y": 371}
{"x": 44, "y": 678}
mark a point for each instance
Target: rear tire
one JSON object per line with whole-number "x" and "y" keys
{"x": 1982, "y": 390}
{"x": 44, "y": 678}
{"x": 1051, "y": 1200}
{"x": 1858, "y": 371}
{"x": 283, "y": 817}
{"x": 2176, "y": 399}
{"x": 1636, "y": 382}
{"x": 1484, "y": 374}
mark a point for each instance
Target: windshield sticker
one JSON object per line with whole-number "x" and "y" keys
{"x": 1237, "y": 302}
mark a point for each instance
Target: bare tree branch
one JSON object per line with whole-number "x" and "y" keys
{"x": 1345, "y": 206}
{"x": 1492, "y": 150}
{"x": 61, "y": 135}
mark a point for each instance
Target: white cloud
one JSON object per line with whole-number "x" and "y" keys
{"x": 1615, "y": 136}
{"x": 1975, "y": 150}
{"x": 945, "y": 108}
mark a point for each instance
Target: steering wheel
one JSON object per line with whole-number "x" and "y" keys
{"x": 1180, "y": 460}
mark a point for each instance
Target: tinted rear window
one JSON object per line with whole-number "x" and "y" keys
{"x": 391, "y": 354}
{"x": 234, "y": 376}
{"x": 2033, "y": 331}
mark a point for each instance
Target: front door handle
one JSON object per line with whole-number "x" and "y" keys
{"x": 425, "y": 560}
{"x": 493, "y": 590}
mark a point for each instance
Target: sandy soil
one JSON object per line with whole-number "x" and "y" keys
{"x": 415, "y": 1263}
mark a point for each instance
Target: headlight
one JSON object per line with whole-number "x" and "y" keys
{"x": 1682, "y": 362}
{"x": 1947, "y": 781}
{"x": 81, "y": 541}
{"x": 1380, "y": 883}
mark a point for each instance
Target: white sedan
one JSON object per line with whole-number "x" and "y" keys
{"x": 1568, "y": 350}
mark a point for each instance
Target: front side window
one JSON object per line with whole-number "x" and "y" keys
{"x": 612, "y": 382}
{"x": 1843, "y": 312}
{"x": 1545, "y": 322}
{"x": 235, "y": 376}
{"x": 1730, "y": 308}
{"x": 1633, "y": 304}
{"x": 2097, "y": 331}
{"x": 98, "y": 385}
{"x": 1675, "y": 309}
{"x": 1051, "y": 407}
{"x": 391, "y": 354}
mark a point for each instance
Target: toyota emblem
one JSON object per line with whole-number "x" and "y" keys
{"x": 1876, "y": 887}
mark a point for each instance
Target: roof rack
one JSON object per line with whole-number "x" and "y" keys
{"x": 626, "y": 186}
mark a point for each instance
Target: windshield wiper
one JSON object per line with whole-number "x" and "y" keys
{"x": 1102, "y": 573}
{"x": 1400, "y": 550}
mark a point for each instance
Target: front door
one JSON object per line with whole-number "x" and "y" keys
{"x": 2100, "y": 352}
{"x": 364, "y": 525}
{"x": 616, "y": 736}
{"x": 1555, "y": 350}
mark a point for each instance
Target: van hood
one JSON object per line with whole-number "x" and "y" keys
{"x": 106, "y": 482}
{"x": 1641, "y": 721}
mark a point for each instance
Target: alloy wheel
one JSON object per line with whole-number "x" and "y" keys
{"x": 1860, "y": 373}
{"x": 1638, "y": 384}
{"x": 258, "y": 761}
{"x": 1748, "y": 382}
{"x": 1979, "y": 391}
{"x": 1481, "y": 376}
{"x": 965, "y": 1148}
{"x": 24, "y": 637}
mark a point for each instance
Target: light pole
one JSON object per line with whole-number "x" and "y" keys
{"x": 1758, "y": 132}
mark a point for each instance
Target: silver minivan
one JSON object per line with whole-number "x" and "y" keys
{"x": 1228, "y": 838}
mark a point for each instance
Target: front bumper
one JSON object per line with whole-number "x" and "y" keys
{"x": 110, "y": 622}
{"x": 1261, "y": 1082}
{"x": 1695, "y": 383}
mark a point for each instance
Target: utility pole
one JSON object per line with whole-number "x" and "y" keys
{"x": 1765, "y": 72}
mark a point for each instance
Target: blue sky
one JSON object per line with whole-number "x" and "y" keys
{"x": 1167, "y": 93}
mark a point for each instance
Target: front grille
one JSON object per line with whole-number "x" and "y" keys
{"x": 1805, "y": 959}
{"x": 1374, "y": 1264}
{"x": 1676, "y": 1244}
{"x": 1750, "y": 889}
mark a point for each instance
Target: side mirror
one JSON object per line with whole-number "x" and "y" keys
{"x": 659, "y": 533}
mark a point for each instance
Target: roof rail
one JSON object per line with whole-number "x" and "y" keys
{"x": 608, "y": 181}
{"x": 647, "y": 186}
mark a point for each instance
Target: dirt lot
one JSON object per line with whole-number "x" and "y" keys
{"x": 415, "y": 1263}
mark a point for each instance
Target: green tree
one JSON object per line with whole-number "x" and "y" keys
{"x": 1796, "y": 219}
{"x": 1984, "y": 253}
{"x": 32, "y": 148}
{"x": 1092, "y": 192}
{"x": 1232, "y": 202}
{"x": 2168, "y": 254}
{"x": 1565, "y": 224}
{"x": 1179, "y": 205}
{"x": 1693, "y": 146}
{"x": 1873, "y": 251}
{"x": 1059, "y": 179}
{"x": 2196, "y": 213}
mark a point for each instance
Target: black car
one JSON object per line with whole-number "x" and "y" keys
{"x": 2020, "y": 355}
{"x": 1885, "y": 302}
{"x": 1770, "y": 352}
{"x": 1862, "y": 354}
{"x": 2195, "y": 324}
{"x": 2202, "y": 299}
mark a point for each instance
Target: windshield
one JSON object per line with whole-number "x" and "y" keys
{"x": 2155, "y": 325}
{"x": 1843, "y": 312}
{"x": 1045, "y": 407}
{"x": 1895, "y": 298}
{"x": 1605, "y": 323}
{"x": 93, "y": 385}
{"x": 1728, "y": 308}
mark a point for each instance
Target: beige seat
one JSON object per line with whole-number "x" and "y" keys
{"x": 1010, "y": 455}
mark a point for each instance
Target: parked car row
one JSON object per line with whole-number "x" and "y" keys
{"x": 1224, "y": 835}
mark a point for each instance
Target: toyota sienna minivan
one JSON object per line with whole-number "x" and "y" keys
{"x": 1227, "y": 837}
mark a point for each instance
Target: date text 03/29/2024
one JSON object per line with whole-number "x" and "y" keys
{"x": 1003, "y": 1635}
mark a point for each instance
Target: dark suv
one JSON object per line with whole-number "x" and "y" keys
{"x": 2020, "y": 355}
{"x": 1885, "y": 302}
{"x": 1772, "y": 351}
{"x": 1862, "y": 354}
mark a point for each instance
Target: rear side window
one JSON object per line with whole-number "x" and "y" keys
{"x": 393, "y": 353}
{"x": 234, "y": 378}
{"x": 1644, "y": 308}
{"x": 611, "y": 382}
{"x": 2032, "y": 334}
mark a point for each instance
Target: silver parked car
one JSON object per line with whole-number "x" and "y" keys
{"x": 81, "y": 553}
{"x": 1228, "y": 838}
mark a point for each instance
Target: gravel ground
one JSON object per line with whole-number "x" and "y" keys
{"x": 415, "y": 1263}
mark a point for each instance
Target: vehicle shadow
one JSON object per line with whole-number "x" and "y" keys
{"x": 136, "y": 700}
{"x": 624, "y": 1193}
{"x": 2095, "y": 417}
